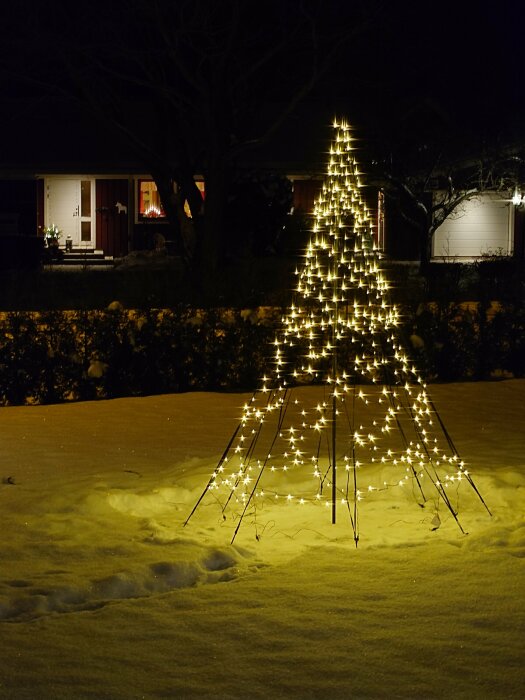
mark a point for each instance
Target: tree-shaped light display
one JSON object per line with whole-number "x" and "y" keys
{"x": 342, "y": 413}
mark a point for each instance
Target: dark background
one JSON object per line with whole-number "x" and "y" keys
{"x": 415, "y": 72}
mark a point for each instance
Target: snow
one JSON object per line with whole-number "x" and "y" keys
{"x": 104, "y": 593}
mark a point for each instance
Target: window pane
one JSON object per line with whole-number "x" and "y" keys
{"x": 150, "y": 206}
{"x": 85, "y": 198}
{"x": 202, "y": 189}
{"x": 85, "y": 231}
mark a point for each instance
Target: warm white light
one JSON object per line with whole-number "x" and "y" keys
{"x": 359, "y": 406}
{"x": 153, "y": 211}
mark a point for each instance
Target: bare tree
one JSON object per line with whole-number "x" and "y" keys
{"x": 429, "y": 196}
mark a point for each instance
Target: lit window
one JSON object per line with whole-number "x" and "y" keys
{"x": 150, "y": 206}
{"x": 200, "y": 185}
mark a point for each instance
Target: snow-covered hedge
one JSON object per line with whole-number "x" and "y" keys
{"x": 55, "y": 356}
{"x": 58, "y": 356}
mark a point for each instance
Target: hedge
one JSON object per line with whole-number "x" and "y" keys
{"x": 56, "y": 356}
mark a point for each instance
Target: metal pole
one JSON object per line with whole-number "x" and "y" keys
{"x": 335, "y": 297}
{"x": 334, "y": 460}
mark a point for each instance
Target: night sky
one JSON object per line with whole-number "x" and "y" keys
{"x": 449, "y": 72}
{"x": 415, "y": 72}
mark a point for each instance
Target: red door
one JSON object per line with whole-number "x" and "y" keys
{"x": 112, "y": 217}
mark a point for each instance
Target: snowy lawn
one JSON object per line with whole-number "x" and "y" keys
{"x": 103, "y": 593}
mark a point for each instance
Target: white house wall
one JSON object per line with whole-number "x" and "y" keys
{"x": 482, "y": 225}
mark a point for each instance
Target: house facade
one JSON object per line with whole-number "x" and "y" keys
{"x": 92, "y": 212}
{"x": 115, "y": 214}
{"x": 111, "y": 214}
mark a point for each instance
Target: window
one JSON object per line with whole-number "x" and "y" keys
{"x": 150, "y": 206}
{"x": 200, "y": 185}
{"x": 85, "y": 211}
{"x": 305, "y": 192}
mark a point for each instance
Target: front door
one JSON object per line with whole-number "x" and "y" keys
{"x": 70, "y": 206}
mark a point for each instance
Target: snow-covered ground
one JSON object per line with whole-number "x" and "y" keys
{"x": 103, "y": 593}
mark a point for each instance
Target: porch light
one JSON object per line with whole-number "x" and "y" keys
{"x": 517, "y": 198}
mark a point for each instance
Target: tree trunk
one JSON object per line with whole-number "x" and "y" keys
{"x": 174, "y": 210}
{"x": 210, "y": 227}
{"x": 425, "y": 247}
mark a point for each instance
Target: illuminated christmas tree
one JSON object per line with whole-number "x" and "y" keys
{"x": 342, "y": 413}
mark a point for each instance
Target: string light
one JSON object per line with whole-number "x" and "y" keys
{"x": 153, "y": 211}
{"x": 342, "y": 392}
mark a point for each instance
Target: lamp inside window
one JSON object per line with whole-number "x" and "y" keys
{"x": 150, "y": 206}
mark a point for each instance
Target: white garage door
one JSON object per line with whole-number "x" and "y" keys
{"x": 480, "y": 226}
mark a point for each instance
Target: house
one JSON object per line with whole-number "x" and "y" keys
{"x": 112, "y": 210}
{"x": 61, "y": 167}
{"x": 108, "y": 214}
{"x": 114, "y": 214}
